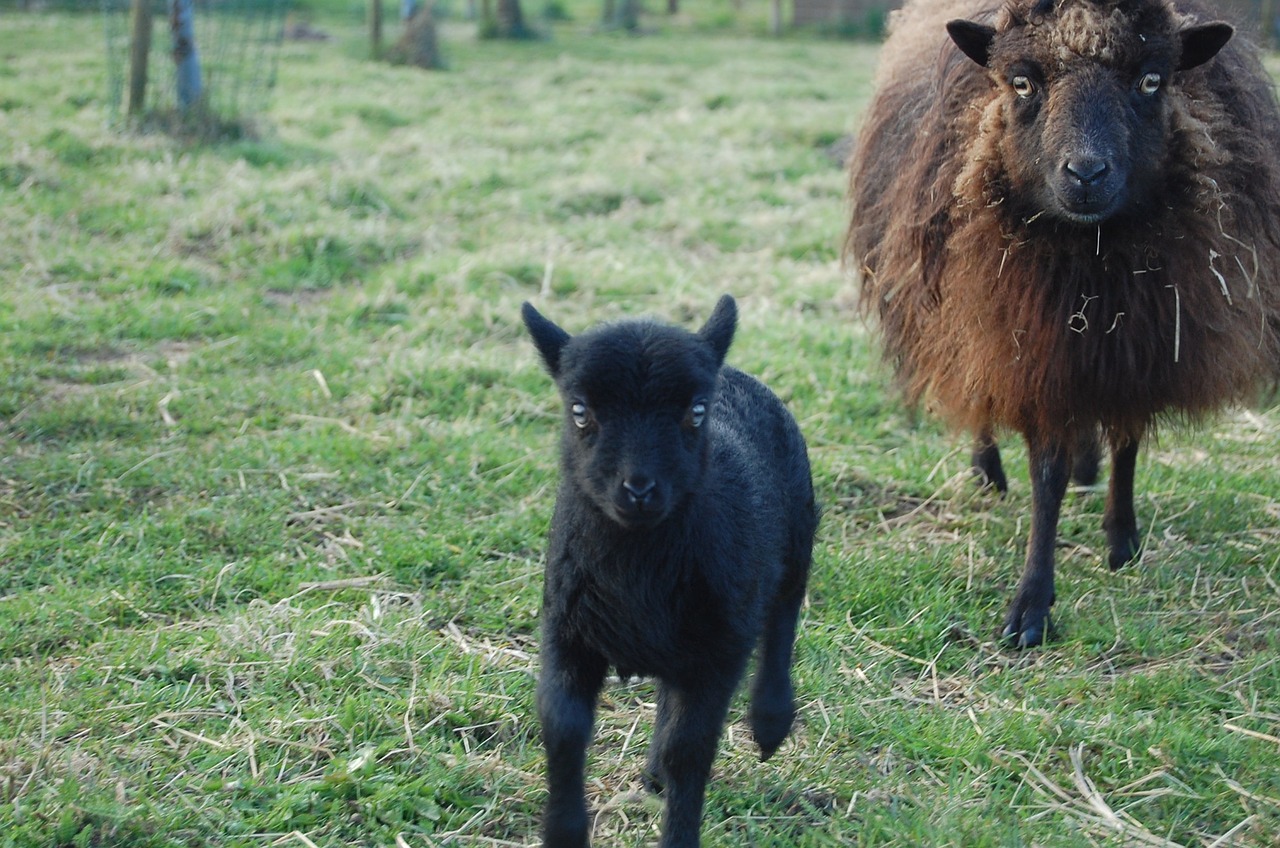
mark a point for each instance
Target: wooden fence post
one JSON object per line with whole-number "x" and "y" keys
{"x": 375, "y": 27}
{"x": 1267, "y": 24}
{"x": 139, "y": 51}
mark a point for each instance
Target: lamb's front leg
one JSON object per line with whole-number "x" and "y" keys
{"x": 567, "y": 690}
{"x": 1119, "y": 520}
{"x": 1027, "y": 622}
{"x": 686, "y": 747}
{"x": 653, "y": 778}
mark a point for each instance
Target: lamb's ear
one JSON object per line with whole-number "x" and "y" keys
{"x": 1201, "y": 43}
{"x": 547, "y": 337}
{"x": 973, "y": 39}
{"x": 718, "y": 331}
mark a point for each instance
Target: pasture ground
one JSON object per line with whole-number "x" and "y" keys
{"x": 278, "y": 463}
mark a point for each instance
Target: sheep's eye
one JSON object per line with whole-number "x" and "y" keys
{"x": 579, "y": 412}
{"x": 1149, "y": 84}
{"x": 1023, "y": 86}
{"x": 697, "y": 413}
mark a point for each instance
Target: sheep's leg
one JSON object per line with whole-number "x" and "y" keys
{"x": 772, "y": 697}
{"x": 987, "y": 467}
{"x": 567, "y": 690}
{"x": 695, "y": 715}
{"x": 1027, "y": 621}
{"x": 1085, "y": 457}
{"x": 1119, "y": 521}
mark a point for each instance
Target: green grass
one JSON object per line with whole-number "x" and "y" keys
{"x": 278, "y": 462}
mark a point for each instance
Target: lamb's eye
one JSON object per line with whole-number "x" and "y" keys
{"x": 1023, "y": 86}
{"x": 1149, "y": 84}
{"x": 579, "y": 412}
{"x": 697, "y": 413}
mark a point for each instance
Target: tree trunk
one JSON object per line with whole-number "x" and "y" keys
{"x": 628, "y": 15}
{"x": 673, "y": 7}
{"x": 511, "y": 20}
{"x": 139, "y": 53}
{"x": 375, "y": 27}
{"x": 186, "y": 58}
{"x": 418, "y": 45}
{"x": 775, "y": 18}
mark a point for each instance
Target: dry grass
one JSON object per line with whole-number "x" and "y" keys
{"x": 278, "y": 463}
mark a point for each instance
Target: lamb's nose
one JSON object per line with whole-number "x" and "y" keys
{"x": 1086, "y": 169}
{"x": 638, "y": 488}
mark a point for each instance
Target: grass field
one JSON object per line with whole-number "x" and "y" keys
{"x": 278, "y": 463}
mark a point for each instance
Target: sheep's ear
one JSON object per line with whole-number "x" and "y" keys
{"x": 718, "y": 331}
{"x": 547, "y": 337}
{"x": 973, "y": 39}
{"x": 1201, "y": 43}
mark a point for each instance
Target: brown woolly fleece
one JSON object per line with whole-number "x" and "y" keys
{"x": 996, "y": 313}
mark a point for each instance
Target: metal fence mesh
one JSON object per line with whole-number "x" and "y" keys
{"x": 238, "y": 45}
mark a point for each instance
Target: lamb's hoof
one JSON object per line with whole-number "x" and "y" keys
{"x": 771, "y": 727}
{"x": 566, "y": 830}
{"x": 651, "y": 780}
{"x": 767, "y": 750}
{"x": 1026, "y": 627}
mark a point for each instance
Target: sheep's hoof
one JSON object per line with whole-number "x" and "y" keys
{"x": 1124, "y": 550}
{"x": 991, "y": 480}
{"x": 1026, "y": 628}
{"x": 1087, "y": 458}
{"x": 988, "y": 470}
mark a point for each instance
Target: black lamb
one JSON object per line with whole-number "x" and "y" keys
{"x": 682, "y": 535}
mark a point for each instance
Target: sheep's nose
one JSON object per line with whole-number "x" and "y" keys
{"x": 639, "y": 488}
{"x": 1086, "y": 170}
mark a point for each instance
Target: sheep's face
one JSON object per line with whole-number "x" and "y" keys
{"x": 637, "y": 410}
{"x": 1082, "y": 100}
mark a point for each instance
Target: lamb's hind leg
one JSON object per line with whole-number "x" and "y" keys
{"x": 1027, "y": 621}
{"x": 1119, "y": 520}
{"x": 773, "y": 706}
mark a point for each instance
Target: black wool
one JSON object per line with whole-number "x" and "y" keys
{"x": 681, "y": 538}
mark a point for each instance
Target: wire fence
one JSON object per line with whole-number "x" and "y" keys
{"x": 237, "y": 46}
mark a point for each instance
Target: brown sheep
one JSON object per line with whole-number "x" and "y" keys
{"x": 1066, "y": 215}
